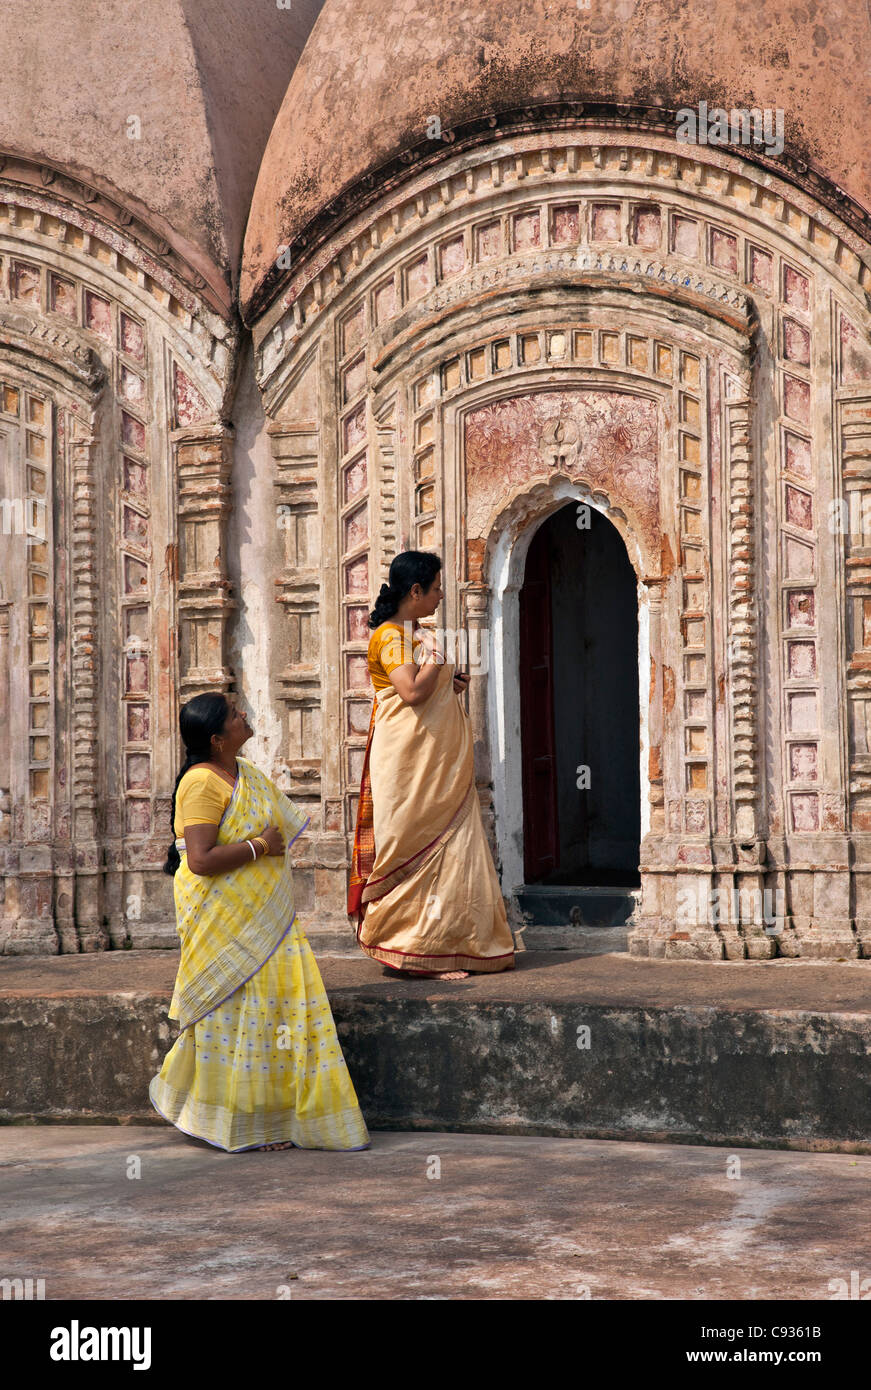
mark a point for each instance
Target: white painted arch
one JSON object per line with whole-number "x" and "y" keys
{"x": 511, "y": 537}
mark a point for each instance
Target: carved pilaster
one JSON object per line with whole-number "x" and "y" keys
{"x": 203, "y": 460}
{"x": 297, "y": 589}
{"x": 743, "y": 634}
{"x": 385, "y": 427}
{"x": 85, "y": 592}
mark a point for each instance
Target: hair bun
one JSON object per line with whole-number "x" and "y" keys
{"x": 385, "y": 591}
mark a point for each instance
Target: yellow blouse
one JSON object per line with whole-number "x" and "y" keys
{"x": 389, "y": 647}
{"x": 201, "y": 799}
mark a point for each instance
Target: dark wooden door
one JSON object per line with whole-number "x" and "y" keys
{"x": 538, "y": 744}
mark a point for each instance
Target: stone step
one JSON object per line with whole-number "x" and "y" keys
{"x": 600, "y": 1046}
{"x": 564, "y": 906}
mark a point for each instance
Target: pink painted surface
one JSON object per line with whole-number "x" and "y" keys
{"x": 132, "y": 431}
{"x": 566, "y": 223}
{"x": 418, "y": 278}
{"x": 799, "y": 559}
{"x": 98, "y": 316}
{"x": 615, "y": 442}
{"x": 355, "y": 427}
{"x": 356, "y": 528}
{"x": 385, "y": 301}
{"x": 132, "y": 338}
{"x": 488, "y": 241}
{"x": 797, "y": 399}
{"x": 135, "y": 527}
{"x": 138, "y": 817}
{"x": 357, "y": 576}
{"x": 131, "y": 385}
{"x": 135, "y": 478}
{"x": 135, "y": 575}
{"x": 799, "y": 508}
{"x": 190, "y": 406}
{"x": 137, "y": 675}
{"x": 796, "y": 342}
{"x": 138, "y": 771}
{"x": 855, "y": 353}
{"x": 798, "y": 455}
{"x": 353, "y": 330}
{"x": 800, "y": 608}
{"x": 605, "y": 222}
{"x": 357, "y": 672}
{"x": 25, "y": 280}
{"x": 647, "y": 228}
{"x": 805, "y": 813}
{"x": 527, "y": 231}
{"x": 724, "y": 251}
{"x": 138, "y": 723}
{"x": 354, "y": 379}
{"x": 802, "y": 712}
{"x": 63, "y": 297}
{"x": 685, "y": 236}
{"x": 796, "y": 288}
{"x": 357, "y": 625}
{"x": 803, "y": 762}
{"x": 452, "y": 257}
{"x": 761, "y": 269}
{"x": 355, "y": 478}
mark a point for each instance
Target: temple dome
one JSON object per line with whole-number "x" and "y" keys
{"x": 204, "y": 80}
{"x": 372, "y": 73}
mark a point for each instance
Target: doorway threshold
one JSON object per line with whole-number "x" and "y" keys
{"x": 567, "y": 905}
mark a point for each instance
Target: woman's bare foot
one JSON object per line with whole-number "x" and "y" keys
{"x": 267, "y": 1148}
{"x": 428, "y": 974}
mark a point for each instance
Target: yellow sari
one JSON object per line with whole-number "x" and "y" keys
{"x": 423, "y": 884}
{"x": 258, "y": 1060}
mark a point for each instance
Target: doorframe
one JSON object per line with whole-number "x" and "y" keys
{"x": 507, "y": 565}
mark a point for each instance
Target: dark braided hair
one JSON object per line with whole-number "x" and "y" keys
{"x": 407, "y": 568}
{"x": 198, "y": 720}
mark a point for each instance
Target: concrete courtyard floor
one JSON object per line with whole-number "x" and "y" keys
{"x": 508, "y": 1218}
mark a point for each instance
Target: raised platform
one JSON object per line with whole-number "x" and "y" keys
{"x": 606, "y": 1046}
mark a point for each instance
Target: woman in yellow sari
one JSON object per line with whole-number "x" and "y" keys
{"x": 257, "y": 1063}
{"x": 423, "y": 887}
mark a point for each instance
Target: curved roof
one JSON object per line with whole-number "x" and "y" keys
{"x": 374, "y": 71}
{"x": 205, "y": 78}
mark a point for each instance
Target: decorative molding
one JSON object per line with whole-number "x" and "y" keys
{"x": 112, "y": 218}
{"x": 619, "y": 124}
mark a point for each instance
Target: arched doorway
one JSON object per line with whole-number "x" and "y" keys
{"x": 579, "y": 715}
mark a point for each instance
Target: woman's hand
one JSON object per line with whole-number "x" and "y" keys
{"x": 461, "y": 682}
{"x": 427, "y": 650}
{"x": 274, "y": 838}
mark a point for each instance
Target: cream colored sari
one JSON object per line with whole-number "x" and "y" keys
{"x": 426, "y": 895}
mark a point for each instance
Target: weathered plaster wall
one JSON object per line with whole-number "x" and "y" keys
{"x": 253, "y": 561}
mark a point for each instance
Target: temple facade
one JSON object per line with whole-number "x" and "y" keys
{"x": 488, "y": 304}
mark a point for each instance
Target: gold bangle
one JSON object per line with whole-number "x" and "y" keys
{"x": 260, "y": 840}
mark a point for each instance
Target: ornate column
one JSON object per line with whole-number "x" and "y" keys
{"x": 90, "y": 934}
{"x": 203, "y": 462}
{"x": 746, "y": 935}
{"x": 649, "y": 920}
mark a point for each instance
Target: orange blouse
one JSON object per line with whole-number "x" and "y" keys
{"x": 389, "y": 646}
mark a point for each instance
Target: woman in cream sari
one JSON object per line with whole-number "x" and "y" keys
{"x": 423, "y": 886}
{"x": 258, "y": 1063}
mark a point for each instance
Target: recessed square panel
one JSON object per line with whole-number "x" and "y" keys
{"x": 452, "y": 257}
